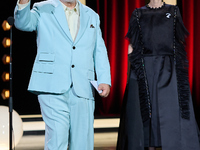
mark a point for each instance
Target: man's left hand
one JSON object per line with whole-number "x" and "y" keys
{"x": 105, "y": 89}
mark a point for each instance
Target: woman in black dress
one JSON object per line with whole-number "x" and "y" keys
{"x": 157, "y": 109}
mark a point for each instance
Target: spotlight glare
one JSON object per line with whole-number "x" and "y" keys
{"x": 5, "y": 25}
{"x": 5, "y": 94}
{"x": 6, "y": 59}
{"x": 5, "y": 76}
{"x": 6, "y": 42}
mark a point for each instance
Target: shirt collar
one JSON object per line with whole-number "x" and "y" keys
{"x": 75, "y": 9}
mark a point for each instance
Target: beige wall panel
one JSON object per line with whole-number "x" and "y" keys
{"x": 173, "y": 2}
{"x": 83, "y": 1}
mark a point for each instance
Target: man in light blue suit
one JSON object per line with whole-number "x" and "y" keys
{"x": 70, "y": 49}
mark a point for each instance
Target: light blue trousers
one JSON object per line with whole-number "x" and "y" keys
{"x": 68, "y": 121}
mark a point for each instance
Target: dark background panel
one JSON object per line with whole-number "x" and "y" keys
{"x": 24, "y": 51}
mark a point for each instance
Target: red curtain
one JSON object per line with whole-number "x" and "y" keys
{"x": 116, "y": 15}
{"x": 191, "y": 18}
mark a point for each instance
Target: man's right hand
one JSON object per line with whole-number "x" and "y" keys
{"x": 23, "y": 1}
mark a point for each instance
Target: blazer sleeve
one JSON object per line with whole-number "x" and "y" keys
{"x": 102, "y": 66}
{"x": 26, "y": 19}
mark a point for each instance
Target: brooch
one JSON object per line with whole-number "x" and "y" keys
{"x": 168, "y": 15}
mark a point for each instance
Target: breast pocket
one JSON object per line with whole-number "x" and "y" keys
{"x": 90, "y": 33}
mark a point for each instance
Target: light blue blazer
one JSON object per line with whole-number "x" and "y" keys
{"x": 60, "y": 61}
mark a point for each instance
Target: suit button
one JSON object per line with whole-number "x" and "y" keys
{"x": 73, "y": 66}
{"x": 74, "y": 47}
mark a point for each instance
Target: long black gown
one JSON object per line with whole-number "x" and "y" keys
{"x": 157, "y": 109}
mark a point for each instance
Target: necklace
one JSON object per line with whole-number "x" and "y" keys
{"x": 162, "y": 4}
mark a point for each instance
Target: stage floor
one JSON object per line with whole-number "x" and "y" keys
{"x": 105, "y": 136}
{"x": 102, "y": 141}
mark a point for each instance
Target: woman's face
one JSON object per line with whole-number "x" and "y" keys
{"x": 156, "y": 0}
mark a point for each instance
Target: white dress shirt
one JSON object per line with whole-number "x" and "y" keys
{"x": 73, "y": 19}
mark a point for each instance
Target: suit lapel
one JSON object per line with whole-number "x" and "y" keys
{"x": 84, "y": 18}
{"x": 61, "y": 18}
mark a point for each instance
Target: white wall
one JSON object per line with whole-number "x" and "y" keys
{"x": 173, "y": 2}
{"x": 83, "y": 1}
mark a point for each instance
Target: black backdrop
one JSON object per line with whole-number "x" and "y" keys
{"x": 24, "y": 51}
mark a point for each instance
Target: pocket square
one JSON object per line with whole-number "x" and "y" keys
{"x": 91, "y": 26}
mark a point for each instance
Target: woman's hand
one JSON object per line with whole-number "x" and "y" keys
{"x": 130, "y": 49}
